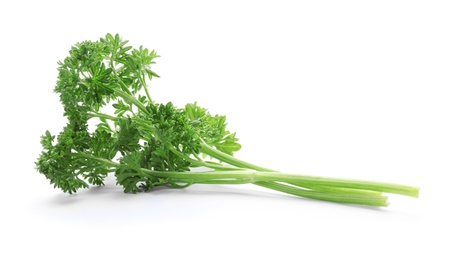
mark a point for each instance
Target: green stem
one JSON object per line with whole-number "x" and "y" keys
{"x": 143, "y": 82}
{"x": 339, "y": 183}
{"x": 264, "y": 174}
{"x": 215, "y": 181}
{"x": 130, "y": 99}
{"x": 103, "y": 116}
{"x": 200, "y": 162}
{"x": 299, "y": 180}
{"x": 334, "y": 189}
{"x": 368, "y": 200}
{"x": 206, "y": 149}
{"x": 233, "y": 174}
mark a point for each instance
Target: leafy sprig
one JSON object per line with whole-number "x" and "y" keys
{"x": 146, "y": 144}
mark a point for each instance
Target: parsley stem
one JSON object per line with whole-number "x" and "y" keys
{"x": 313, "y": 181}
{"x": 143, "y": 82}
{"x": 266, "y": 174}
{"x": 229, "y": 159}
{"x": 103, "y": 116}
{"x": 348, "y": 185}
{"x": 367, "y": 200}
{"x": 130, "y": 99}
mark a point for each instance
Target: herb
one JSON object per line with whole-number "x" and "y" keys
{"x": 146, "y": 144}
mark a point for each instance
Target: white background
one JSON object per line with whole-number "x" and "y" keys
{"x": 357, "y": 89}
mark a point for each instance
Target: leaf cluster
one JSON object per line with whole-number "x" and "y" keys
{"x": 139, "y": 134}
{"x": 213, "y": 129}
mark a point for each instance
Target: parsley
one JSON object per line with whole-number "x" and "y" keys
{"x": 146, "y": 144}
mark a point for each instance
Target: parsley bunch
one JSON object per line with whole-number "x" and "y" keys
{"x": 147, "y": 144}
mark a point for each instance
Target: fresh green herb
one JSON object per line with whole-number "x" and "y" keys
{"x": 146, "y": 144}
